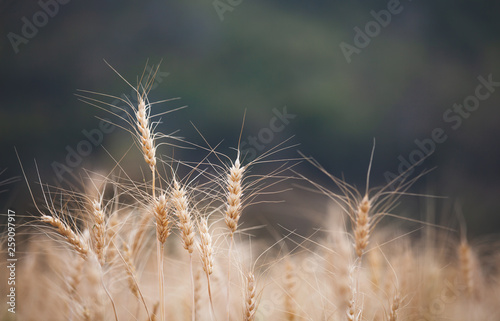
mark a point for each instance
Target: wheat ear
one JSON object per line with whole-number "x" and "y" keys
{"x": 75, "y": 277}
{"x": 111, "y": 233}
{"x": 467, "y": 266}
{"x": 86, "y": 314}
{"x": 144, "y": 130}
{"x": 250, "y": 298}
{"x": 206, "y": 256}
{"x": 74, "y": 280}
{"x": 233, "y": 213}
{"x": 185, "y": 224}
{"x": 362, "y": 226}
{"x": 162, "y": 232}
{"x": 99, "y": 231}
{"x": 146, "y": 139}
{"x": 353, "y": 313}
{"x": 197, "y": 293}
{"x": 234, "y": 195}
{"x": 153, "y": 315}
{"x": 130, "y": 269}
{"x": 142, "y": 227}
{"x": 160, "y": 212}
{"x": 393, "y": 314}
{"x": 375, "y": 262}
{"x": 71, "y": 237}
{"x": 205, "y": 247}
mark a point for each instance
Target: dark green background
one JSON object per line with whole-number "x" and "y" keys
{"x": 267, "y": 55}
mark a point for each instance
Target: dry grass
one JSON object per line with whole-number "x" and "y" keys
{"x": 99, "y": 260}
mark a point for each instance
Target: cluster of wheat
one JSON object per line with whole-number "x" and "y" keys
{"x": 94, "y": 257}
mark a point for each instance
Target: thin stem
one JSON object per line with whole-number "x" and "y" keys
{"x": 212, "y": 312}
{"x": 109, "y": 296}
{"x": 193, "y": 307}
{"x": 153, "y": 184}
{"x": 159, "y": 255}
{"x": 229, "y": 275}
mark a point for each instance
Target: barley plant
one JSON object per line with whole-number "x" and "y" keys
{"x": 174, "y": 244}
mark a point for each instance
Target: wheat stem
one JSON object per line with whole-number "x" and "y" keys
{"x": 233, "y": 213}
{"x": 159, "y": 255}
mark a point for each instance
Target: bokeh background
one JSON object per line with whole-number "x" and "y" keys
{"x": 258, "y": 57}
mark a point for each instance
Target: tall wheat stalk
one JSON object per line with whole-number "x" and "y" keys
{"x": 185, "y": 225}
{"x": 233, "y": 213}
{"x": 206, "y": 256}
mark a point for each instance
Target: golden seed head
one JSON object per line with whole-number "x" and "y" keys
{"x": 162, "y": 218}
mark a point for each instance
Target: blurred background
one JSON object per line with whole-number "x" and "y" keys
{"x": 331, "y": 76}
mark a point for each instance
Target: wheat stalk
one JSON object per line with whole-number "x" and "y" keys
{"x": 206, "y": 255}
{"x": 185, "y": 225}
{"x": 233, "y": 212}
